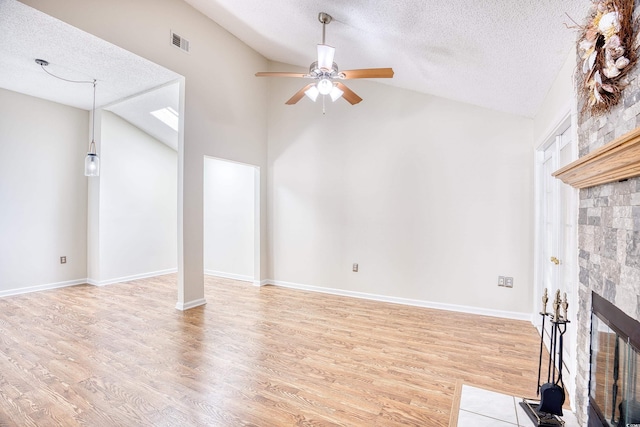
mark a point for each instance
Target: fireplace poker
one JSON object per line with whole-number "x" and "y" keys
{"x": 545, "y": 299}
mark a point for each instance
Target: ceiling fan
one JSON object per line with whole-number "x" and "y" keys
{"x": 326, "y": 74}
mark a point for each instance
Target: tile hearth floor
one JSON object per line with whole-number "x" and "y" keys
{"x": 484, "y": 408}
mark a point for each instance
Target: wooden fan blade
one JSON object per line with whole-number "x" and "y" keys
{"x": 298, "y": 96}
{"x": 349, "y": 95}
{"x": 369, "y": 73}
{"x": 279, "y": 74}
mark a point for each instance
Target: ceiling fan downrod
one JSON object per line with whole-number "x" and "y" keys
{"x": 324, "y": 18}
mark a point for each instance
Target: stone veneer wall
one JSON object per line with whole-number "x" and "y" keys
{"x": 608, "y": 230}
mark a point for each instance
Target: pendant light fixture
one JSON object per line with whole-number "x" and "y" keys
{"x": 92, "y": 161}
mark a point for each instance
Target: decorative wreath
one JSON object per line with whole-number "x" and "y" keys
{"x": 608, "y": 51}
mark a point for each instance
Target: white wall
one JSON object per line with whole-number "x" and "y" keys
{"x": 43, "y": 193}
{"x": 138, "y": 202}
{"x": 229, "y": 219}
{"x": 433, "y": 198}
{"x": 559, "y": 101}
{"x": 225, "y": 104}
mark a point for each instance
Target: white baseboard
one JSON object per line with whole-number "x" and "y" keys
{"x": 405, "y": 301}
{"x": 233, "y": 276}
{"x": 262, "y": 282}
{"x": 129, "y": 278}
{"x": 201, "y": 301}
{"x": 191, "y": 304}
{"x": 18, "y": 291}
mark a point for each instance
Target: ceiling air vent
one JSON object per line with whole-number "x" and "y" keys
{"x": 179, "y": 42}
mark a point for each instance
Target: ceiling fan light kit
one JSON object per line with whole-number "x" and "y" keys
{"x": 324, "y": 86}
{"x": 312, "y": 93}
{"x": 335, "y": 93}
{"x": 327, "y": 75}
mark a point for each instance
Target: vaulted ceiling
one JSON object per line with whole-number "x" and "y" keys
{"x": 499, "y": 54}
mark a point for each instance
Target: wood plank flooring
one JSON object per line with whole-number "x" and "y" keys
{"x": 122, "y": 355}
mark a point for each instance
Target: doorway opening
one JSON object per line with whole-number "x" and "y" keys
{"x": 231, "y": 215}
{"x": 138, "y": 187}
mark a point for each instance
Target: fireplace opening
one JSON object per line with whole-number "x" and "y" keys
{"x": 614, "y": 385}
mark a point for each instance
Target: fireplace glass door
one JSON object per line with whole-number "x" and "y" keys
{"x": 614, "y": 384}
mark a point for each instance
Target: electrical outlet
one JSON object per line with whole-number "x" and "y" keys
{"x": 355, "y": 267}
{"x": 508, "y": 282}
{"x": 500, "y": 280}
{"x": 63, "y": 260}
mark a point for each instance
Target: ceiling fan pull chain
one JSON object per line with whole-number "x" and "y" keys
{"x": 323, "y": 111}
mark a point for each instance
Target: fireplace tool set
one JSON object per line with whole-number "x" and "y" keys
{"x": 546, "y": 411}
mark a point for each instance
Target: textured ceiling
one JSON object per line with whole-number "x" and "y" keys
{"x": 499, "y": 54}
{"x": 28, "y": 34}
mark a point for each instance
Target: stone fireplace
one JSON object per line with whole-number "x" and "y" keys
{"x": 608, "y": 232}
{"x": 609, "y": 265}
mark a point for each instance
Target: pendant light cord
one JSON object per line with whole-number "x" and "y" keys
{"x": 93, "y": 118}
{"x": 92, "y": 146}
{"x": 62, "y": 78}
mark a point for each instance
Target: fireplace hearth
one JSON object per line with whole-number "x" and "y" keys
{"x": 614, "y": 386}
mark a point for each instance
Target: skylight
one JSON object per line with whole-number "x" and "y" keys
{"x": 168, "y": 116}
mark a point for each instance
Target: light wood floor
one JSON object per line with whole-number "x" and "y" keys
{"x": 121, "y": 355}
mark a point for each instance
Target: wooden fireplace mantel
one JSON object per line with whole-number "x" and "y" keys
{"x": 615, "y": 161}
